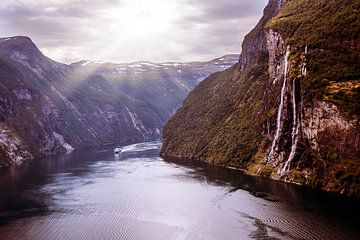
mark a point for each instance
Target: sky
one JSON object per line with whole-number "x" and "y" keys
{"x": 131, "y": 30}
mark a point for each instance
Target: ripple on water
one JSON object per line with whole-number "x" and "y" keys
{"x": 140, "y": 196}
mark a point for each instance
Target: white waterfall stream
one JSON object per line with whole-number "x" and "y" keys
{"x": 296, "y": 121}
{"x": 295, "y": 130}
{"x": 279, "y": 123}
{"x": 279, "y": 5}
{"x": 303, "y": 70}
{"x": 303, "y": 67}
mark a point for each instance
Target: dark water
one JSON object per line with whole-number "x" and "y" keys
{"x": 95, "y": 195}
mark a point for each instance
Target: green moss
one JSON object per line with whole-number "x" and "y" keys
{"x": 317, "y": 23}
{"x": 330, "y": 29}
{"x": 272, "y": 111}
{"x": 297, "y": 176}
{"x": 316, "y": 181}
{"x": 214, "y": 126}
{"x": 345, "y": 95}
{"x": 346, "y": 176}
{"x": 260, "y": 170}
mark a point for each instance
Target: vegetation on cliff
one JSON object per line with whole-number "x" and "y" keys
{"x": 330, "y": 30}
{"x": 229, "y": 119}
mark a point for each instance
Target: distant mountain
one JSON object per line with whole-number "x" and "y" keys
{"x": 290, "y": 109}
{"x": 48, "y": 107}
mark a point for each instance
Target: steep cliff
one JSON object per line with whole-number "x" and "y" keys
{"x": 289, "y": 109}
{"x": 48, "y": 107}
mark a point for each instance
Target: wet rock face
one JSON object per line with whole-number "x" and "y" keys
{"x": 334, "y": 140}
{"x": 302, "y": 128}
{"x": 276, "y": 48}
{"x": 279, "y": 71}
{"x": 325, "y": 118}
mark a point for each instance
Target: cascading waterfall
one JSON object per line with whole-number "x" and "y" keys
{"x": 296, "y": 121}
{"x": 303, "y": 69}
{"x": 295, "y": 130}
{"x": 303, "y": 66}
{"x": 279, "y": 123}
{"x": 279, "y": 5}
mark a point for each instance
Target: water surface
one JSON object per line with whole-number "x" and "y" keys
{"x": 92, "y": 194}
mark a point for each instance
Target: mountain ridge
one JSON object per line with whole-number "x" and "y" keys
{"x": 49, "y": 107}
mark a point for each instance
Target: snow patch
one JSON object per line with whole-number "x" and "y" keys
{"x": 175, "y": 64}
{"x": 134, "y": 65}
{"x": 150, "y": 64}
{"x": 5, "y": 39}
{"x": 85, "y": 63}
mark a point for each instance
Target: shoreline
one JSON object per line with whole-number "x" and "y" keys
{"x": 243, "y": 171}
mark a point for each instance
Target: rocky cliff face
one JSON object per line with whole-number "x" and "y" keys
{"x": 48, "y": 107}
{"x": 284, "y": 112}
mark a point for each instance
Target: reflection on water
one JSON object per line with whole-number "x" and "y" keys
{"x": 92, "y": 194}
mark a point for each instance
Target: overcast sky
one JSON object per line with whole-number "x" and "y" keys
{"x": 131, "y": 30}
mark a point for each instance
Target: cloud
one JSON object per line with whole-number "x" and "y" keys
{"x": 212, "y": 10}
{"x": 130, "y": 30}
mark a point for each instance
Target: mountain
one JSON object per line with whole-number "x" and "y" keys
{"x": 47, "y": 107}
{"x": 289, "y": 109}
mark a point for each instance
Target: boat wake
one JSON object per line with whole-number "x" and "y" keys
{"x": 141, "y": 147}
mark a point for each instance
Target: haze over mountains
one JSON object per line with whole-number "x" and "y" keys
{"x": 48, "y": 107}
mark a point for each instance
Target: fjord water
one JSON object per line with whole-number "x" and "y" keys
{"x": 92, "y": 194}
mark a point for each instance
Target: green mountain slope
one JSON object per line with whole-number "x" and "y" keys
{"x": 290, "y": 109}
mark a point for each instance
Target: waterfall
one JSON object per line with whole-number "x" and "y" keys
{"x": 296, "y": 120}
{"x": 281, "y": 105}
{"x": 279, "y": 5}
{"x": 303, "y": 66}
{"x": 303, "y": 70}
{"x": 295, "y": 130}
